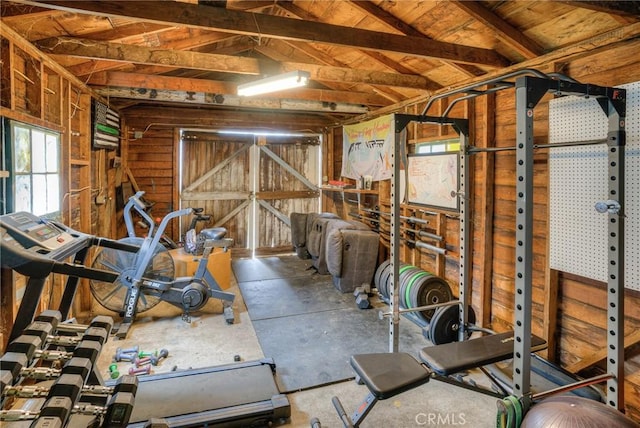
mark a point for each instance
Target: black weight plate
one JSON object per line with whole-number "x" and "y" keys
{"x": 445, "y": 324}
{"x": 432, "y": 290}
{"x": 379, "y": 271}
{"x": 384, "y": 282}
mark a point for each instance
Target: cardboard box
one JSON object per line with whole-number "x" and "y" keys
{"x": 219, "y": 264}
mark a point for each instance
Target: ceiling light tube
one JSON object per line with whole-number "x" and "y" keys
{"x": 293, "y": 79}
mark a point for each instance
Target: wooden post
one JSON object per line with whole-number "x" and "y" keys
{"x": 485, "y": 190}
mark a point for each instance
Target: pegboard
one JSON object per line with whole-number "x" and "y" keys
{"x": 578, "y": 180}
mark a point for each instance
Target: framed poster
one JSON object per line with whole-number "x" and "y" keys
{"x": 432, "y": 179}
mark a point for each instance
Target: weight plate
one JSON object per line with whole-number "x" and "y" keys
{"x": 409, "y": 302}
{"x": 379, "y": 272}
{"x": 405, "y": 279}
{"x": 445, "y": 324}
{"x": 430, "y": 291}
{"x": 384, "y": 282}
{"x": 386, "y": 278}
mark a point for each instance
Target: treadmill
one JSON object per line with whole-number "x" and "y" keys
{"x": 239, "y": 394}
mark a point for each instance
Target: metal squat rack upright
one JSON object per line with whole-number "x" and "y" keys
{"x": 530, "y": 86}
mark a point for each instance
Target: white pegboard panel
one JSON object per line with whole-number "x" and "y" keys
{"x": 578, "y": 179}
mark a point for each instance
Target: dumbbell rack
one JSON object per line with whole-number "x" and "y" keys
{"x": 48, "y": 377}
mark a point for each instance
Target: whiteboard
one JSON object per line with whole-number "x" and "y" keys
{"x": 432, "y": 179}
{"x": 578, "y": 178}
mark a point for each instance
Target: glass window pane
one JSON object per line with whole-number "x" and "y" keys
{"x": 424, "y": 148}
{"x": 38, "y": 154}
{"x": 53, "y": 193}
{"x": 438, "y": 148}
{"x": 39, "y": 194}
{"x": 22, "y": 150}
{"x": 52, "y": 153}
{"x": 22, "y": 200}
{"x": 453, "y": 147}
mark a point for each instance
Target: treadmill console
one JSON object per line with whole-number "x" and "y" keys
{"x": 30, "y": 230}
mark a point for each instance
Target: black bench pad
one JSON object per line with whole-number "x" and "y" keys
{"x": 458, "y": 356}
{"x": 389, "y": 374}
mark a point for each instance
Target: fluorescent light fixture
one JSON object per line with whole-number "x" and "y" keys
{"x": 293, "y": 79}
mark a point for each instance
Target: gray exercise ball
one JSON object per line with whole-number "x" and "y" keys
{"x": 566, "y": 411}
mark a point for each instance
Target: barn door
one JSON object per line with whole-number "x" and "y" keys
{"x": 250, "y": 185}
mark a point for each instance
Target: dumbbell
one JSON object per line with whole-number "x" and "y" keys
{"x": 139, "y": 362}
{"x": 13, "y": 366}
{"x": 56, "y": 410}
{"x": 127, "y": 354}
{"x": 362, "y": 298}
{"x": 69, "y": 385}
{"x": 140, "y": 370}
{"x": 113, "y": 371}
{"x": 31, "y": 346}
{"x": 54, "y": 318}
{"x": 35, "y": 336}
{"x": 155, "y": 360}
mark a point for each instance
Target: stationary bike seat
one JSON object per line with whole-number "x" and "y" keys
{"x": 214, "y": 233}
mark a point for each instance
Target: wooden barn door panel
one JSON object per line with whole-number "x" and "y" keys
{"x": 250, "y": 186}
{"x": 215, "y": 176}
{"x": 287, "y": 181}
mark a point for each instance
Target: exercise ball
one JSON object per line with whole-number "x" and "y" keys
{"x": 574, "y": 412}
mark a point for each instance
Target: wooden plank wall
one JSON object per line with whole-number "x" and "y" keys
{"x": 37, "y": 91}
{"x": 581, "y": 313}
{"x": 147, "y": 165}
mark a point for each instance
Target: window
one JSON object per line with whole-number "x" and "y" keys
{"x": 442, "y": 146}
{"x": 34, "y": 164}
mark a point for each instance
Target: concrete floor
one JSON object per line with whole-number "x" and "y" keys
{"x": 208, "y": 341}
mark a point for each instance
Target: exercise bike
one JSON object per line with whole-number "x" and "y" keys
{"x": 147, "y": 273}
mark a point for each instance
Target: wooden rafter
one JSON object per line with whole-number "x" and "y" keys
{"x": 221, "y": 63}
{"x": 237, "y": 22}
{"x": 505, "y": 32}
{"x": 146, "y": 81}
{"x": 386, "y": 18}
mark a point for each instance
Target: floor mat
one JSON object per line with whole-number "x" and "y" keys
{"x": 311, "y": 330}
{"x": 270, "y": 268}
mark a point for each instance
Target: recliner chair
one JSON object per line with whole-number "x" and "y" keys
{"x": 345, "y": 249}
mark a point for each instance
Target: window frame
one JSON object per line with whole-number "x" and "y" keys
{"x": 41, "y": 169}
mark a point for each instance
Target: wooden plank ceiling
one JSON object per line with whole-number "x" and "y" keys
{"x": 362, "y": 55}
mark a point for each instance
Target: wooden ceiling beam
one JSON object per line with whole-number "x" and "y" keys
{"x": 221, "y": 63}
{"x": 145, "y": 81}
{"x": 87, "y": 48}
{"x": 261, "y": 25}
{"x": 234, "y": 101}
{"x": 505, "y": 32}
{"x": 180, "y": 116}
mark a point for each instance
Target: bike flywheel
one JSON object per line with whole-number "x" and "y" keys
{"x": 111, "y": 295}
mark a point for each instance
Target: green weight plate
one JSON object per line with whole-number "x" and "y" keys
{"x": 409, "y": 302}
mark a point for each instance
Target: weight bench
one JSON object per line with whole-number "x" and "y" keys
{"x": 390, "y": 374}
